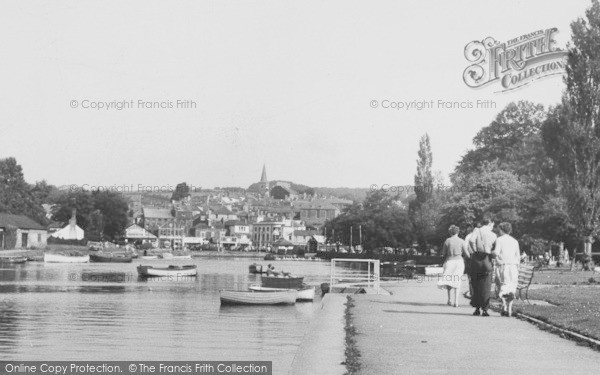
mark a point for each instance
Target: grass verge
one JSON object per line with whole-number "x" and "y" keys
{"x": 576, "y": 308}
{"x": 566, "y": 277}
{"x": 352, "y": 353}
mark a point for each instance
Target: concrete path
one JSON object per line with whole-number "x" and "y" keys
{"x": 322, "y": 350}
{"x": 415, "y": 332}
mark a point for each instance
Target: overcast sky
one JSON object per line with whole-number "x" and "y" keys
{"x": 286, "y": 83}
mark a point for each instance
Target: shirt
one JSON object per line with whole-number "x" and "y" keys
{"x": 507, "y": 250}
{"x": 486, "y": 236}
{"x": 454, "y": 247}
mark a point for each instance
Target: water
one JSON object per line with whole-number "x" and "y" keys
{"x": 101, "y": 311}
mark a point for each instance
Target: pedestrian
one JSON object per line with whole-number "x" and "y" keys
{"x": 482, "y": 242}
{"x": 454, "y": 266}
{"x": 467, "y": 259}
{"x": 508, "y": 256}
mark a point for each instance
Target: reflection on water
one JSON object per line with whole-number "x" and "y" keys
{"x": 102, "y": 311}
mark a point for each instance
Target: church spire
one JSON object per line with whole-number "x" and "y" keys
{"x": 263, "y": 177}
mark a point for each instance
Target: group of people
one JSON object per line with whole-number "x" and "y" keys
{"x": 480, "y": 250}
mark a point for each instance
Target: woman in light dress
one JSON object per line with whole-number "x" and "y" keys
{"x": 508, "y": 257}
{"x": 454, "y": 265}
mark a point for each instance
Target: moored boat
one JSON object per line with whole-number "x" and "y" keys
{"x": 100, "y": 257}
{"x": 66, "y": 258}
{"x": 171, "y": 256}
{"x": 149, "y": 257}
{"x": 15, "y": 259}
{"x": 172, "y": 270}
{"x": 282, "y": 282}
{"x": 256, "y": 268}
{"x": 236, "y": 297}
{"x": 306, "y": 293}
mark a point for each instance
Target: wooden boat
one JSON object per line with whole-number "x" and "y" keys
{"x": 65, "y": 258}
{"x": 172, "y": 270}
{"x": 149, "y": 257}
{"x": 257, "y": 268}
{"x": 171, "y": 256}
{"x": 236, "y": 297}
{"x": 282, "y": 282}
{"x": 306, "y": 293}
{"x": 100, "y": 257}
{"x": 14, "y": 259}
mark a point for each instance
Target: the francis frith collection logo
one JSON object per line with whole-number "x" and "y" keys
{"x": 514, "y": 63}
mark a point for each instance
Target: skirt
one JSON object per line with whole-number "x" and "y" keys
{"x": 481, "y": 280}
{"x": 454, "y": 270}
{"x": 508, "y": 278}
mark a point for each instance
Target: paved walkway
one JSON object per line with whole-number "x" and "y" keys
{"x": 415, "y": 332}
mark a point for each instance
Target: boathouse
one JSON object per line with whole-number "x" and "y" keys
{"x": 21, "y": 232}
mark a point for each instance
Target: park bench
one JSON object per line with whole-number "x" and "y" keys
{"x": 525, "y": 276}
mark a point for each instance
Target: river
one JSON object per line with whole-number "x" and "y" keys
{"x": 101, "y": 311}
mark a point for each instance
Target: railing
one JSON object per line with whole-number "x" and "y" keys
{"x": 370, "y": 277}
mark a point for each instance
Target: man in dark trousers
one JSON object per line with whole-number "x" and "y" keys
{"x": 481, "y": 243}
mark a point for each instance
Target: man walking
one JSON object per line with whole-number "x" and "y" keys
{"x": 482, "y": 242}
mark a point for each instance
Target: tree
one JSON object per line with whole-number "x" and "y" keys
{"x": 513, "y": 142}
{"x": 571, "y": 133}
{"x": 383, "y": 223}
{"x": 182, "y": 191}
{"x": 81, "y": 201}
{"x": 113, "y": 208}
{"x": 424, "y": 176}
{"x": 16, "y": 196}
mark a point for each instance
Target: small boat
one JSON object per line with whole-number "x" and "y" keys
{"x": 149, "y": 257}
{"x": 256, "y": 268}
{"x": 236, "y": 297}
{"x": 13, "y": 260}
{"x": 74, "y": 257}
{"x": 171, "y": 256}
{"x": 100, "y": 257}
{"x": 172, "y": 270}
{"x": 306, "y": 293}
{"x": 282, "y": 282}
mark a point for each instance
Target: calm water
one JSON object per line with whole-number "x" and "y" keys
{"x": 47, "y": 312}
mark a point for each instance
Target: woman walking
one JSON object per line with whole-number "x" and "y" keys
{"x": 454, "y": 265}
{"x": 508, "y": 257}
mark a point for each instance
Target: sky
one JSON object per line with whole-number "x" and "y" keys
{"x": 289, "y": 84}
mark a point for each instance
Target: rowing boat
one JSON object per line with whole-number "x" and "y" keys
{"x": 64, "y": 258}
{"x": 14, "y": 259}
{"x": 100, "y": 257}
{"x": 172, "y": 270}
{"x": 171, "y": 256}
{"x": 306, "y": 293}
{"x": 236, "y": 297}
{"x": 282, "y": 282}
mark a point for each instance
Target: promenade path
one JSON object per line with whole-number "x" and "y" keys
{"x": 413, "y": 331}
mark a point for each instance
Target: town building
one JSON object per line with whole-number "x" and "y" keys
{"x": 21, "y": 232}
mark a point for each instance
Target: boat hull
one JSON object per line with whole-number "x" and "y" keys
{"x": 282, "y": 282}
{"x": 234, "y": 297}
{"x": 13, "y": 260}
{"x": 304, "y": 294}
{"x": 171, "y": 271}
{"x": 60, "y": 258}
{"x": 110, "y": 258}
{"x": 176, "y": 257}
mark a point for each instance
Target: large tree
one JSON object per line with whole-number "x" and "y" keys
{"x": 382, "y": 221}
{"x": 572, "y": 132}
{"x": 17, "y": 196}
{"x": 424, "y": 176}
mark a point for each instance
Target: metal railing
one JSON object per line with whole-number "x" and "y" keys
{"x": 343, "y": 275}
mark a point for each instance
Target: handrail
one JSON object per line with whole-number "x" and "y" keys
{"x": 371, "y": 276}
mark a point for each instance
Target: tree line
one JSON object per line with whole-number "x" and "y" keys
{"x": 537, "y": 168}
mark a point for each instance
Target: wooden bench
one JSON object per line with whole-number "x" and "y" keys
{"x": 525, "y": 276}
